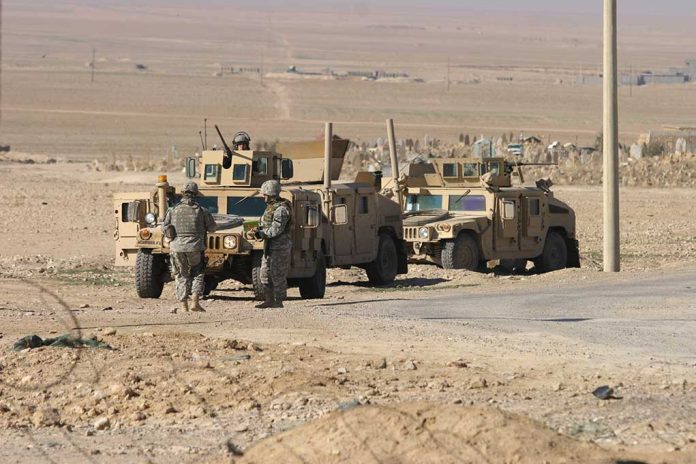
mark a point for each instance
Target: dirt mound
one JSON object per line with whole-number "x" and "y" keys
{"x": 423, "y": 432}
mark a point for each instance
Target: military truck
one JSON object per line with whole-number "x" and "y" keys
{"x": 334, "y": 224}
{"x": 461, "y": 213}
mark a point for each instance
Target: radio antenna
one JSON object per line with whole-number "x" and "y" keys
{"x": 205, "y": 128}
{"x": 200, "y": 134}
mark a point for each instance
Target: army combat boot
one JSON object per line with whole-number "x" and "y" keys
{"x": 276, "y": 303}
{"x": 196, "y": 304}
{"x": 185, "y": 305}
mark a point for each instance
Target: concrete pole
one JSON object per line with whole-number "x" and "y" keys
{"x": 328, "y": 138}
{"x": 612, "y": 253}
{"x": 394, "y": 159}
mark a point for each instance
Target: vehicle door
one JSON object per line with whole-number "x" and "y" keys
{"x": 343, "y": 233}
{"x": 507, "y": 222}
{"x": 365, "y": 224}
{"x": 533, "y": 220}
{"x": 129, "y": 217}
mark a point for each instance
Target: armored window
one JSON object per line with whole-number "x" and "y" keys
{"x": 509, "y": 209}
{"x": 260, "y": 166}
{"x": 423, "y": 202}
{"x": 239, "y": 172}
{"x": 534, "y": 207}
{"x": 211, "y": 172}
{"x": 470, "y": 170}
{"x": 467, "y": 203}
{"x": 209, "y": 203}
{"x": 124, "y": 212}
{"x": 246, "y": 206}
{"x": 363, "y": 205}
{"x": 492, "y": 167}
{"x": 449, "y": 170}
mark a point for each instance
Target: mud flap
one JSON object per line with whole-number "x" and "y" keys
{"x": 573, "y": 253}
{"x": 402, "y": 265}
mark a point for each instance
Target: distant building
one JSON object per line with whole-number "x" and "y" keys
{"x": 650, "y": 78}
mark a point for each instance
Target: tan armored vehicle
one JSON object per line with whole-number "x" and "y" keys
{"x": 335, "y": 224}
{"x": 461, "y": 213}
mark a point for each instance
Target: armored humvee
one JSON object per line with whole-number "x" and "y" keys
{"x": 461, "y": 213}
{"x": 334, "y": 224}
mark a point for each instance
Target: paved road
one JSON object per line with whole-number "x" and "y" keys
{"x": 651, "y": 316}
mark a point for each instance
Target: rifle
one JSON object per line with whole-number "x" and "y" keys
{"x": 227, "y": 160}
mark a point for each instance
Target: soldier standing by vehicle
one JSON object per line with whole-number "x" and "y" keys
{"x": 275, "y": 227}
{"x": 188, "y": 224}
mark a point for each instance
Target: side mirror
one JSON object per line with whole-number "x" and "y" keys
{"x": 191, "y": 167}
{"x": 340, "y": 215}
{"x": 313, "y": 218}
{"x": 286, "y": 169}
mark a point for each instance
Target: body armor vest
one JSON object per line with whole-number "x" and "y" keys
{"x": 188, "y": 220}
{"x": 267, "y": 218}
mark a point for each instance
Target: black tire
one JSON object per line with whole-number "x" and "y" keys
{"x": 256, "y": 257}
{"x": 555, "y": 254}
{"x": 149, "y": 274}
{"x": 461, "y": 253}
{"x": 383, "y": 270}
{"x": 314, "y": 288}
{"x": 211, "y": 284}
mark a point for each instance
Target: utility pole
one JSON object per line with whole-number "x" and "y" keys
{"x": 93, "y": 64}
{"x": 612, "y": 248}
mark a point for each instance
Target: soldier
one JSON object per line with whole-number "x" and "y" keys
{"x": 275, "y": 227}
{"x": 188, "y": 223}
{"x": 241, "y": 141}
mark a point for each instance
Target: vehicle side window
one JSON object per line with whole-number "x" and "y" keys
{"x": 449, "y": 170}
{"x": 470, "y": 170}
{"x": 363, "y": 205}
{"x": 509, "y": 210}
{"x": 260, "y": 166}
{"x": 534, "y": 207}
{"x": 239, "y": 172}
{"x": 124, "y": 212}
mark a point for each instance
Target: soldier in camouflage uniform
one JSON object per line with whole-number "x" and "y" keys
{"x": 275, "y": 227}
{"x": 190, "y": 223}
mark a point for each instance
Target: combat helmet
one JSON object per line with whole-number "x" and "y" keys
{"x": 241, "y": 141}
{"x": 191, "y": 188}
{"x": 270, "y": 188}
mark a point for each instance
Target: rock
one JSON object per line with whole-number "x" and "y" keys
{"x": 84, "y": 306}
{"x": 381, "y": 364}
{"x": 102, "y": 423}
{"x": 138, "y": 416}
{"x": 108, "y": 308}
{"x": 478, "y": 383}
{"x": 459, "y": 363}
{"x": 169, "y": 409}
{"x": 342, "y": 370}
{"x": 558, "y": 387}
{"x": 410, "y": 365}
{"x": 109, "y": 331}
{"x": 240, "y": 428}
{"x": 173, "y": 311}
{"x": 45, "y": 417}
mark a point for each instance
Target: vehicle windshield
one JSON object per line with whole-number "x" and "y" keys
{"x": 423, "y": 202}
{"x": 209, "y": 203}
{"x": 467, "y": 203}
{"x": 246, "y": 206}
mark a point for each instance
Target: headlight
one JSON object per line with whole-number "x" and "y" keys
{"x": 424, "y": 233}
{"x": 230, "y": 241}
{"x": 150, "y": 219}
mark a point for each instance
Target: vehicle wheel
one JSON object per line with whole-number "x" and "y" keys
{"x": 256, "y": 257}
{"x": 314, "y": 287}
{"x": 555, "y": 254}
{"x": 149, "y": 270}
{"x": 211, "y": 284}
{"x": 461, "y": 253}
{"x": 383, "y": 269}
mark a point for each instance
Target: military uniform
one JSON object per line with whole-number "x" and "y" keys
{"x": 191, "y": 224}
{"x": 275, "y": 227}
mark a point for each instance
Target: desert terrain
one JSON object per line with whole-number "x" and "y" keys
{"x": 441, "y": 366}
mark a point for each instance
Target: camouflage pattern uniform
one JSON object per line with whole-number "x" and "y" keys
{"x": 191, "y": 224}
{"x": 275, "y": 229}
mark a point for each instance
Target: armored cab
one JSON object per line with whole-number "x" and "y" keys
{"x": 461, "y": 213}
{"x": 334, "y": 224}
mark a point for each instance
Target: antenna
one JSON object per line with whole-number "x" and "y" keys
{"x": 0, "y": 63}
{"x": 205, "y": 128}
{"x": 200, "y": 134}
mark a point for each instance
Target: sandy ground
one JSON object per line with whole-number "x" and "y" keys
{"x": 208, "y": 387}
